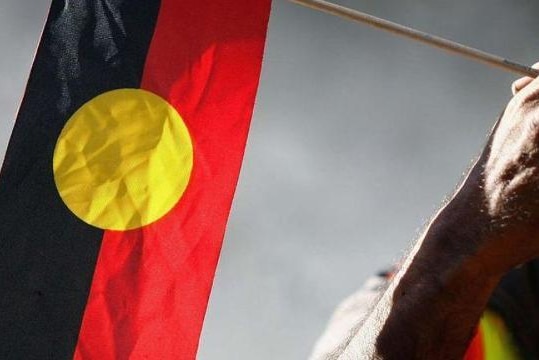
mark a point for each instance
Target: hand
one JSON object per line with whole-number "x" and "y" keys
{"x": 522, "y": 82}
{"x": 510, "y": 179}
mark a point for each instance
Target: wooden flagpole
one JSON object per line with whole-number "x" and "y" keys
{"x": 431, "y": 40}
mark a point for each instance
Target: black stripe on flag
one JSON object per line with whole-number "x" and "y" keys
{"x": 47, "y": 256}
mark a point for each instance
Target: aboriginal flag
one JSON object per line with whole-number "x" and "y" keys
{"x": 120, "y": 173}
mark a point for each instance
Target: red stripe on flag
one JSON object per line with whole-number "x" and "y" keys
{"x": 151, "y": 286}
{"x": 475, "y": 349}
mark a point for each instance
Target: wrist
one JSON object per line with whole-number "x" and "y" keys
{"x": 454, "y": 255}
{"x": 464, "y": 233}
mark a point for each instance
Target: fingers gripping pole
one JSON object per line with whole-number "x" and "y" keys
{"x": 420, "y": 36}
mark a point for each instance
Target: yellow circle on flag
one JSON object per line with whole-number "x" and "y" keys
{"x": 123, "y": 160}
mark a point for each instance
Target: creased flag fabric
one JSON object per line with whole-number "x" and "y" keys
{"x": 120, "y": 173}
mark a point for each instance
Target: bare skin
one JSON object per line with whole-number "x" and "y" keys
{"x": 491, "y": 225}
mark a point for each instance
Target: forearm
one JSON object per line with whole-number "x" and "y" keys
{"x": 434, "y": 303}
{"x": 491, "y": 225}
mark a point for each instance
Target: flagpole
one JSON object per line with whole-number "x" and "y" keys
{"x": 420, "y": 36}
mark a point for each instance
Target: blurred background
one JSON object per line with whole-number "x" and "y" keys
{"x": 356, "y": 140}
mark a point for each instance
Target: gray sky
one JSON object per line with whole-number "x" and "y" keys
{"x": 356, "y": 139}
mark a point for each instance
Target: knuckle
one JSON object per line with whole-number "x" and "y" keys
{"x": 523, "y": 103}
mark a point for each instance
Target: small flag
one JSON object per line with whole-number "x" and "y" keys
{"x": 120, "y": 173}
{"x": 492, "y": 340}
